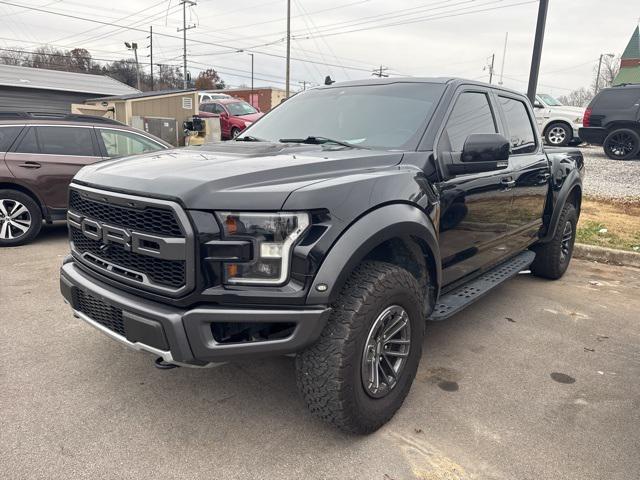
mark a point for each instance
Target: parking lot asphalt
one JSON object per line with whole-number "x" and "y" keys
{"x": 538, "y": 380}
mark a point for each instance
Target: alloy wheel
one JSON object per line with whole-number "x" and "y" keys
{"x": 557, "y": 135}
{"x": 386, "y": 351}
{"x": 565, "y": 244}
{"x": 15, "y": 219}
{"x": 621, "y": 144}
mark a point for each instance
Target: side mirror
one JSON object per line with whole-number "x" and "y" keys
{"x": 482, "y": 152}
{"x": 224, "y": 115}
{"x": 537, "y": 104}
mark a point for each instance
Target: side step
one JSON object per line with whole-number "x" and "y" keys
{"x": 455, "y": 300}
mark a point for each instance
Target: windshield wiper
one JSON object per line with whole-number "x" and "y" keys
{"x": 319, "y": 141}
{"x": 249, "y": 138}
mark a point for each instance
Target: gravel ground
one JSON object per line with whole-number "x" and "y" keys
{"x": 608, "y": 178}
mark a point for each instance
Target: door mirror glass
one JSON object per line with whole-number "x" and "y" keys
{"x": 485, "y": 147}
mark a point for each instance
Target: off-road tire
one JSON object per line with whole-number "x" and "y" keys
{"x": 329, "y": 372}
{"x": 34, "y": 212}
{"x": 550, "y": 262}
{"x": 552, "y": 137}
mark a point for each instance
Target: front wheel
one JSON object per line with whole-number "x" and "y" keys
{"x": 20, "y": 218}
{"x": 552, "y": 258}
{"x": 357, "y": 375}
{"x": 558, "y": 134}
{"x": 622, "y": 144}
{"x": 235, "y": 131}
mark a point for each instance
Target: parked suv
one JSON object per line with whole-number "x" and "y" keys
{"x": 612, "y": 120}
{"x": 235, "y": 115}
{"x": 558, "y": 124}
{"x": 40, "y": 153}
{"x": 331, "y": 229}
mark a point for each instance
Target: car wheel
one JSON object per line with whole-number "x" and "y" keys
{"x": 552, "y": 258}
{"x": 622, "y": 144}
{"x": 235, "y": 131}
{"x": 20, "y": 218}
{"x": 558, "y": 134}
{"x": 357, "y": 375}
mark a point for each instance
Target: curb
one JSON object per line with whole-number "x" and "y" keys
{"x": 606, "y": 255}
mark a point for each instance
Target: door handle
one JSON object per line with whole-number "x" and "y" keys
{"x": 29, "y": 165}
{"x": 544, "y": 177}
{"x": 508, "y": 182}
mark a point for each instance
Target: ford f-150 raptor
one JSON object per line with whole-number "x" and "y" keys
{"x": 331, "y": 229}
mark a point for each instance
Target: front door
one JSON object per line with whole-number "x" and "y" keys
{"x": 46, "y": 157}
{"x": 476, "y": 207}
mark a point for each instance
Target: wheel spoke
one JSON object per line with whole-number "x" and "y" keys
{"x": 398, "y": 326}
{"x": 20, "y": 226}
{"x": 396, "y": 341}
{"x": 391, "y": 353}
{"x": 4, "y": 231}
{"x": 3, "y": 208}
{"x": 393, "y": 370}
{"x": 18, "y": 210}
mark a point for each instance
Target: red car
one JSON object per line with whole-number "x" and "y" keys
{"x": 235, "y": 115}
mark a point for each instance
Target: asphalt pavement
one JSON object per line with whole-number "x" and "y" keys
{"x": 538, "y": 380}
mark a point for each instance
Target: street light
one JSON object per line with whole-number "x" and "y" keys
{"x": 134, "y": 46}
{"x": 610, "y": 55}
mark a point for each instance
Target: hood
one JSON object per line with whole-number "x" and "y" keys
{"x": 252, "y": 117}
{"x": 569, "y": 111}
{"x": 231, "y": 175}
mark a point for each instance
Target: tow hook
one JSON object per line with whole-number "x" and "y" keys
{"x": 162, "y": 365}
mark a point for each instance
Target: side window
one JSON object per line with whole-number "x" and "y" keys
{"x": 65, "y": 141}
{"x": 470, "y": 114}
{"x": 521, "y": 133}
{"x": 7, "y": 136}
{"x": 29, "y": 143}
{"x": 205, "y": 107}
{"x": 120, "y": 143}
{"x": 217, "y": 108}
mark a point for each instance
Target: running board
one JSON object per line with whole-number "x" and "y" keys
{"x": 454, "y": 301}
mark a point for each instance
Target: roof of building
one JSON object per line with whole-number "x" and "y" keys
{"x": 41, "y": 78}
{"x": 633, "y": 47}
{"x": 154, "y": 93}
{"x": 628, "y": 75}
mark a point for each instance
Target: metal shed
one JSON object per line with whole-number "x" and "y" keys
{"x": 25, "y": 89}
{"x": 160, "y": 113}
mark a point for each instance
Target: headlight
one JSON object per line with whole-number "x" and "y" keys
{"x": 578, "y": 120}
{"x": 273, "y": 236}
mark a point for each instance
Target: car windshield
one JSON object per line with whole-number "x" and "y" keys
{"x": 549, "y": 100}
{"x": 387, "y": 116}
{"x": 237, "y": 109}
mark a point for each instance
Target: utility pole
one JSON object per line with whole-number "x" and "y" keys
{"x": 304, "y": 85}
{"x": 543, "y": 6}
{"x": 504, "y": 55}
{"x": 287, "y": 90}
{"x": 134, "y": 46}
{"x": 599, "y": 67}
{"x": 184, "y": 29}
{"x": 251, "y": 73}
{"x": 490, "y": 67}
{"x": 380, "y": 72}
{"x": 151, "y": 53}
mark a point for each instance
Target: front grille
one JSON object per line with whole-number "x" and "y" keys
{"x": 163, "y": 272}
{"x": 150, "y": 220}
{"x": 98, "y": 311}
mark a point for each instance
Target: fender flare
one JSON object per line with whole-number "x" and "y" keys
{"x": 569, "y": 184}
{"x": 366, "y": 233}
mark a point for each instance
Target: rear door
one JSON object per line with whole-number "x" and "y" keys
{"x": 475, "y": 207}
{"x": 530, "y": 169}
{"x": 46, "y": 157}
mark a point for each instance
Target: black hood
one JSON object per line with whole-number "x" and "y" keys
{"x": 231, "y": 175}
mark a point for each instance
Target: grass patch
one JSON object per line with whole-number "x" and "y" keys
{"x": 610, "y": 223}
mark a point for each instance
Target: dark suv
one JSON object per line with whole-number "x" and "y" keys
{"x": 612, "y": 120}
{"x": 40, "y": 153}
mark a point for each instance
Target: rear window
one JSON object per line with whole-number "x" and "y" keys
{"x": 7, "y": 136}
{"x": 620, "y": 97}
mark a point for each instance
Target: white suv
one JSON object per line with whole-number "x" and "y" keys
{"x": 557, "y": 123}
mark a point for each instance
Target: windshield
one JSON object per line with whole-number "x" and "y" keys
{"x": 391, "y": 116}
{"x": 237, "y": 109}
{"x": 549, "y": 100}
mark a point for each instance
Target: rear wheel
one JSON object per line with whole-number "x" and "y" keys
{"x": 552, "y": 258}
{"x": 359, "y": 372}
{"x": 622, "y": 144}
{"x": 558, "y": 134}
{"x": 20, "y": 218}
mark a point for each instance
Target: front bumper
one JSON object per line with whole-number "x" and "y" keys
{"x": 183, "y": 336}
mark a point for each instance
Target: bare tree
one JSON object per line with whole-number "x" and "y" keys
{"x": 577, "y": 98}
{"x": 608, "y": 72}
{"x": 13, "y": 56}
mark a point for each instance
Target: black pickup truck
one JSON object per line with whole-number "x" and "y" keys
{"x": 331, "y": 229}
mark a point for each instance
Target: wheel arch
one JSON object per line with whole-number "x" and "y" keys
{"x": 570, "y": 192}
{"x": 27, "y": 191}
{"x": 397, "y": 233}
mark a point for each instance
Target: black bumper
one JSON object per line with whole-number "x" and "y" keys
{"x": 179, "y": 336}
{"x": 593, "y": 135}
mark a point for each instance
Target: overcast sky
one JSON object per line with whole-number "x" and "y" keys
{"x": 419, "y": 37}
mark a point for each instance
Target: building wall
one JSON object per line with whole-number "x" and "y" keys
{"x": 267, "y": 97}
{"x": 16, "y": 99}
